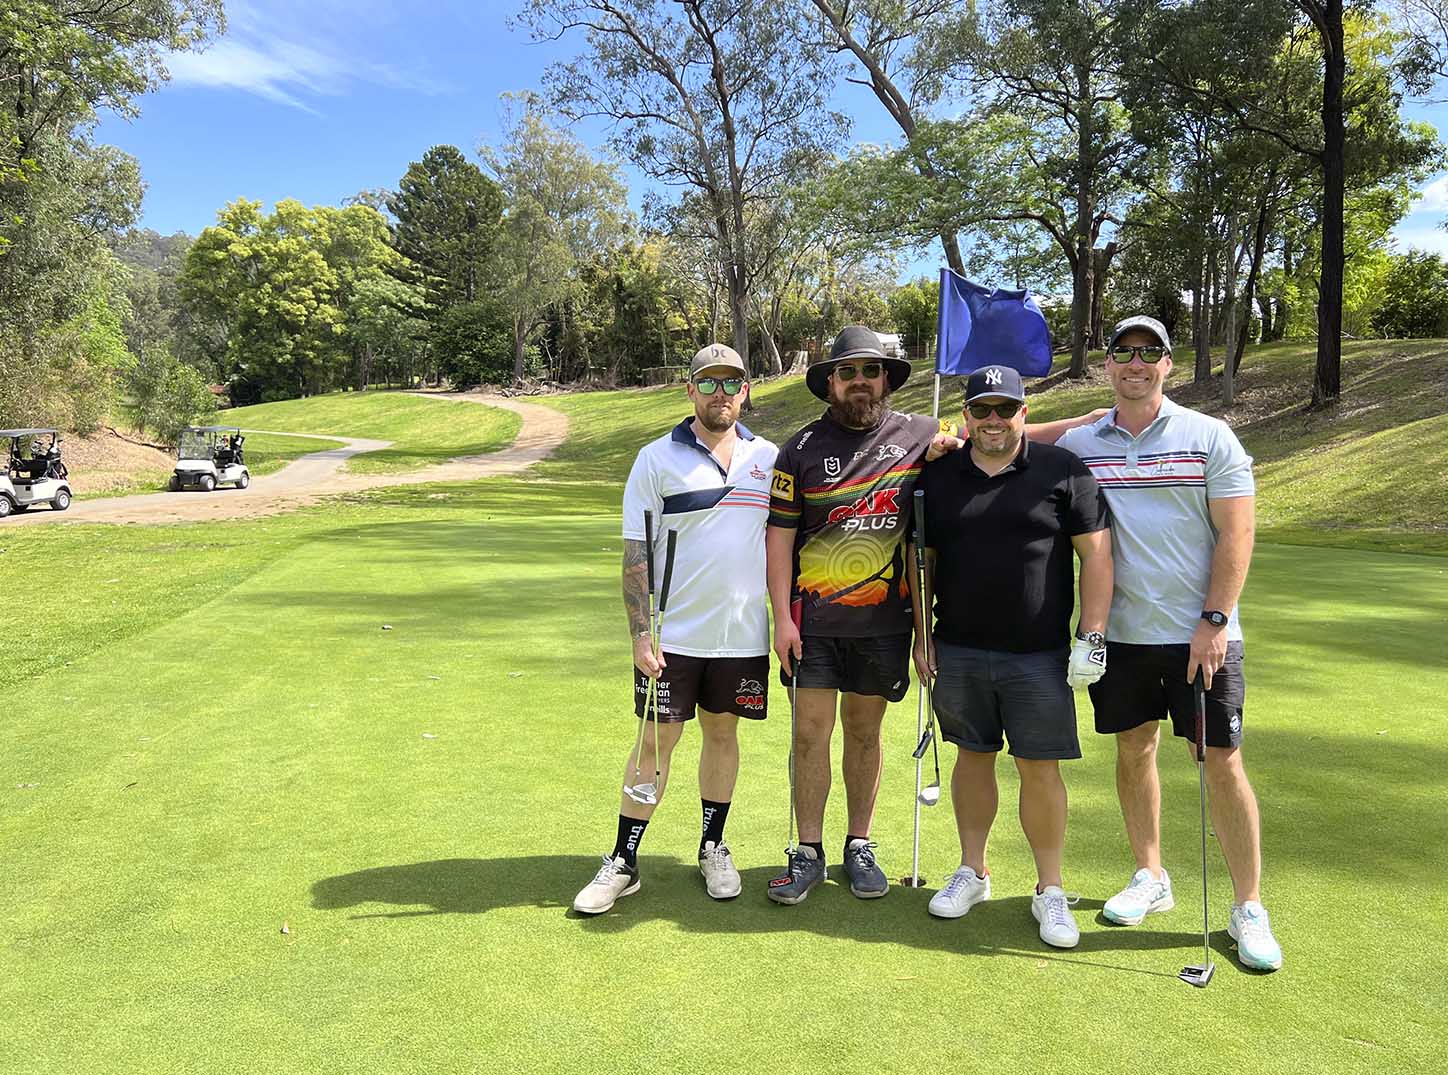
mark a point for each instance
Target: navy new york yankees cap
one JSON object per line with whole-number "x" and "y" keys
{"x": 995, "y": 381}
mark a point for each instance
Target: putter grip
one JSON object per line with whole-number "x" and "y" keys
{"x": 1199, "y": 693}
{"x": 919, "y": 521}
{"x": 649, "y": 545}
{"x": 668, "y": 570}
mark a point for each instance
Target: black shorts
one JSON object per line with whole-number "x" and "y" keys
{"x": 738, "y": 685}
{"x": 983, "y": 697}
{"x": 1146, "y": 683}
{"x": 877, "y": 666}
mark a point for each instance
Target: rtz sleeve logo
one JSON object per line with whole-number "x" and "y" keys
{"x": 874, "y": 511}
{"x": 783, "y": 485}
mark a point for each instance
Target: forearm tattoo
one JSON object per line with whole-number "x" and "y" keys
{"x": 636, "y": 586}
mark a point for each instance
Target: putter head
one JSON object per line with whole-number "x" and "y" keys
{"x": 929, "y": 795}
{"x": 643, "y": 794}
{"x": 924, "y": 744}
{"x": 1198, "y": 975}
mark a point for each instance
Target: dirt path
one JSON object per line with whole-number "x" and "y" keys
{"x": 314, "y": 477}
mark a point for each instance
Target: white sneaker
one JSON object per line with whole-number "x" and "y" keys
{"x": 1143, "y": 896}
{"x": 962, "y": 892}
{"x": 1052, "y": 908}
{"x": 720, "y": 876}
{"x": 1250, "y": 928}
{"x": 613, "y": 880}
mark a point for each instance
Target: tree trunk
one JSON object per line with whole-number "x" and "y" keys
{"x": 1101, "y": 265}
{"x": 1201, "y": 344}
{"x": 1259, "y": 251}
{"x": 1327, "y": 378}
{"x": 1229, "y": 313}
{"x": 1081, "y": 283}
{"x": 520, "y": 341}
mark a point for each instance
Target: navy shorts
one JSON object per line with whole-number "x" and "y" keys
{"x": 876, "y": 666}
{"x": 738, "y": 685}
{"x": 1148, "y": 683}
{"x": 984, "y": 697}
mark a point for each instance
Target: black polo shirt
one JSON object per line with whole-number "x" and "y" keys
{"x": 1003, "y": 555}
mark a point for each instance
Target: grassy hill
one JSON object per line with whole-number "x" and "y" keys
{"x": 1371, "y": 471}
{"x": 423, "y": 431}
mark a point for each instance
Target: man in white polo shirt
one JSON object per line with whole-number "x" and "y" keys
{"x": 708, "y": 479}
{"x": 1182, "y": 513}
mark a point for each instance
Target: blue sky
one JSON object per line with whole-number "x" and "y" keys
{"x": 318, "y": 99}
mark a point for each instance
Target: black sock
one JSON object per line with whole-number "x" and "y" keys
{"x": 630, "y": 833}
{"x": 851, "y": 839}
{"x": 818, "y": 849}
{"x": 715, "y": 814}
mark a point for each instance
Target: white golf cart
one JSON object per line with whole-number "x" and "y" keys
{"x": 208, "y": 456}
{"x": 36, "y": 478}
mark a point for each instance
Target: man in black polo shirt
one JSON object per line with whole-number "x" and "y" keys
{"x": 1001, "y": 521}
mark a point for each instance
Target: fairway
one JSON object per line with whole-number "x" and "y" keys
{"x": 246, "y": 828}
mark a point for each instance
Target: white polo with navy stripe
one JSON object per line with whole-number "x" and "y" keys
{"x": 1158, "y": 485}
{"x": 718, "y": 604}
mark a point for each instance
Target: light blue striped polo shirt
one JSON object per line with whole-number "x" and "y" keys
{"x": 1162, "y": 536}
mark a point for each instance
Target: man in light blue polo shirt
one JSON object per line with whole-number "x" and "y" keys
{"x": 1182, "y": 506}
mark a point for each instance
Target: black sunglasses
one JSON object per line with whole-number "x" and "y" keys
{"x": 1150, "y": 355}
{"x": 870, "y": 370}
{"x": 1007, "y": 410}
{"x": 709, "y": 385}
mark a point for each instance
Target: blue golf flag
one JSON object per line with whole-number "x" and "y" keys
{"x": 980, "y": 327}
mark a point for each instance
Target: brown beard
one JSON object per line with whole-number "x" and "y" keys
{"x": 859, "y": 412}
{"x": 714, "y": 422}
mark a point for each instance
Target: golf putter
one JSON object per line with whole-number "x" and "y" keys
{"x": 638, "y": 791}
{"x": 1200, "y": 974}
{"x": 930, "y": 794}
{"x": 652, "y": 790}
{"x": 796, "y": 614}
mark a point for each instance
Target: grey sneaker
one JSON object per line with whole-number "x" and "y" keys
{"x": 614, "y": 880}
{"x": 867, "y": 880}
{"x": 805, "y": 870}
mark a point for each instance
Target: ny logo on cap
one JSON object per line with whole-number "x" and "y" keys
{"x": 992, "y": 376}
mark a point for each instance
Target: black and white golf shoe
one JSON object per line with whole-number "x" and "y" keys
{"x": 614, "y": 880}
{"x": 805, "y": 870}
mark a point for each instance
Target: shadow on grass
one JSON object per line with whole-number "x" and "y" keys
{"x": 672, "y": 893}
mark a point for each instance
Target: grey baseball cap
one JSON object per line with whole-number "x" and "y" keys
{"x": 717, "y": 354}
{"x": 1145, "y": 324}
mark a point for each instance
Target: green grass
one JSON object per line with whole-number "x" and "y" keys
{"x": 209, "y": 735}
{"x": 423, "y": 431}
{"x": 1367, "y": 473}
{"x": 245, "y": 747}
{"x": 266, "y": 453}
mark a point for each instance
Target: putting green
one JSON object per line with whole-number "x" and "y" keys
{"x": 246, "y": 827}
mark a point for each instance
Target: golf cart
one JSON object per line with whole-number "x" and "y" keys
{"x": 37, "y": 478}
{"x": 208, "y": 456}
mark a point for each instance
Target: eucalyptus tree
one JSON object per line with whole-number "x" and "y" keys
{"x": 724, "y": 97}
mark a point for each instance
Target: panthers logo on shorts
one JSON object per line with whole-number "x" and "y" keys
{"x": 749, "y": 694}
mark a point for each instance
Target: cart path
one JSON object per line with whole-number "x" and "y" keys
{"x": 314, "y": 477}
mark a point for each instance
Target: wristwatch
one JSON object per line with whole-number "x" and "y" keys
{"x": 1215, "y": 617}
{"x": 1096, "y": 638}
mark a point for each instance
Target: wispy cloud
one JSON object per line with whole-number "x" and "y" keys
{"x": 1434, "y": 197}
{"x": 256, "y": 58}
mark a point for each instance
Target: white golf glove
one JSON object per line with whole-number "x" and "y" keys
{"x": 1087, "y": 663}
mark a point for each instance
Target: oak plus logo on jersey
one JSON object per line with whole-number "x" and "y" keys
{"x": 757, "y": 474}
{"x": 832, "y": 467}
{"x": 873, "y": 511}
{"x": 749, "y": 694}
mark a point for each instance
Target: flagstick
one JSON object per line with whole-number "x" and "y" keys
{"x": 919, "y": 709}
